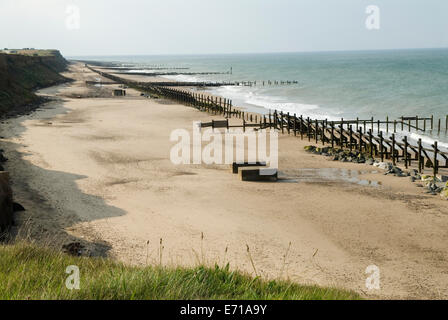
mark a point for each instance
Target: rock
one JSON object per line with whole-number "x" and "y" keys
{"x": 396, "y": 170}
{"x": 1, "y": 168}
{"x": 2, "y": 158}
{"x": 17, "y": 207}
{"x": 427, "y": 178}
{"x": 73, "y": 248}
{"x": 442, "y": 178}
{"x": 419, "y": 185}
{"x": 383, "y": 165}
{"x": 6, "y": 204}
{"x": 413, "y": 173}
{"x": 444, "y": 193}
{"x": 310, "y": 148}
{"x": 412, "y": 179}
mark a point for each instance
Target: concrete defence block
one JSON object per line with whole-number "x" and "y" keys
{"x": 235, "y": 166}
{"x": 258, "y": 174}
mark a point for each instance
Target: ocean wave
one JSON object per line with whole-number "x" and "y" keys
{"x": 251, "y": 96}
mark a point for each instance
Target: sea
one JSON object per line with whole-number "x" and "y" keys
{"x": 323, "y": 85}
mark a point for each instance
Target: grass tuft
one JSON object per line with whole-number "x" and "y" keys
{"x": 31, "y": 272}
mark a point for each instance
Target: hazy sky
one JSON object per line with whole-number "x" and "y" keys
{"x": 111, "y": 27}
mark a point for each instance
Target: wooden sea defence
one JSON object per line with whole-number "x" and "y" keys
{"x": 372, "y": 136}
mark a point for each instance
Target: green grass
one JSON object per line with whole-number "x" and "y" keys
{"x": 31, "y": 272}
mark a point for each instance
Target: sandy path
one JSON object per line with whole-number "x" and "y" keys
{"x": 99, "y": 169}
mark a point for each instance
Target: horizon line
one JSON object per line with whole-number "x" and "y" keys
{"x": 253, "y": 53}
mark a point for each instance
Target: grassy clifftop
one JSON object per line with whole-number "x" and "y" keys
{"x": 30, "y": 272}
{"x": 22, "y": 73}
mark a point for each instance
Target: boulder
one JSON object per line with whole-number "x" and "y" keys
{"x": 6, "y": 204}
{"x": 427, "y": 178}
{"x": 444, "y": 193}
{"x": 310, "y": 148}
{"x": 383, "y": 165}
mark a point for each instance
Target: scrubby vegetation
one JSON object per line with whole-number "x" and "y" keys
{"x": 31, "y": 272}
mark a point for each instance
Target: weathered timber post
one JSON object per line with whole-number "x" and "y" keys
{"x": 402, "y": 123}
{"x": 438, "y": 131}
{"x": 301, "y": 127}
{"x": 405, "y": 151}
{"x": 381, "y": 146}
{"x": 308, "y": 122}
{"x": 435, "y": 163}
{"x": 394, "y": 162}
{"x": 295, "y": 125}
{"x": 332, "y": 134}
{"x": 275, "y": 119}
{"x": 323, "y": 132}
{"x": 360, "y": 139}
{"x": 416, "y": 123}
{"x": 395, "y": 126}
{"x": 316, "y": 131}
{"x": 281, "y": 122}
{"x": 350, "y": 130}
{"x": 432, "y": 122}
{"x": 288, "y": 120}
{"x": 419, "y": 156}
{"x": 371, "y": 142}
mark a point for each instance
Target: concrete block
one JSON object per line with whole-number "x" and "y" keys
{"x": 235, "y": 166}
{"x": 258, "y": 174}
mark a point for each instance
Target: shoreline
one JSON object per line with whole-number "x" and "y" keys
{"x": 428, "y": 137}
{"x": 107, "y": 158}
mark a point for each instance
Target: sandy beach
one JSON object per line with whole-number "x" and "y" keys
{"x": 94, "y": 167}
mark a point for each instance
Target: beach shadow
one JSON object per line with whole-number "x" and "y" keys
{"x": 43, "y": 222}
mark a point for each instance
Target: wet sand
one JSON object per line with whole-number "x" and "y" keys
{"x": 98, "y": 168}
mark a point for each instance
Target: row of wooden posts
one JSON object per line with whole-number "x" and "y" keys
{"x": 358, "y": 134}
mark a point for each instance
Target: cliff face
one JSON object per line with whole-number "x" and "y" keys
{"x": 20, "y": 75}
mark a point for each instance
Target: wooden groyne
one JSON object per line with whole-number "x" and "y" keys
{"x": 161, "y": 74}
{"x": 375, "y": 137}
{"x": 147, "y": 68}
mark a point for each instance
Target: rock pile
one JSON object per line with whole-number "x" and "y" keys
{"x": 432, "y": 185}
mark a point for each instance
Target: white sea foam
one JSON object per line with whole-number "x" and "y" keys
{"x": 250, "y": 96}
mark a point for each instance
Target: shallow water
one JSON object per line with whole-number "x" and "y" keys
{"x": 331, "y": 85}
{"x": 324, "y": 175}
